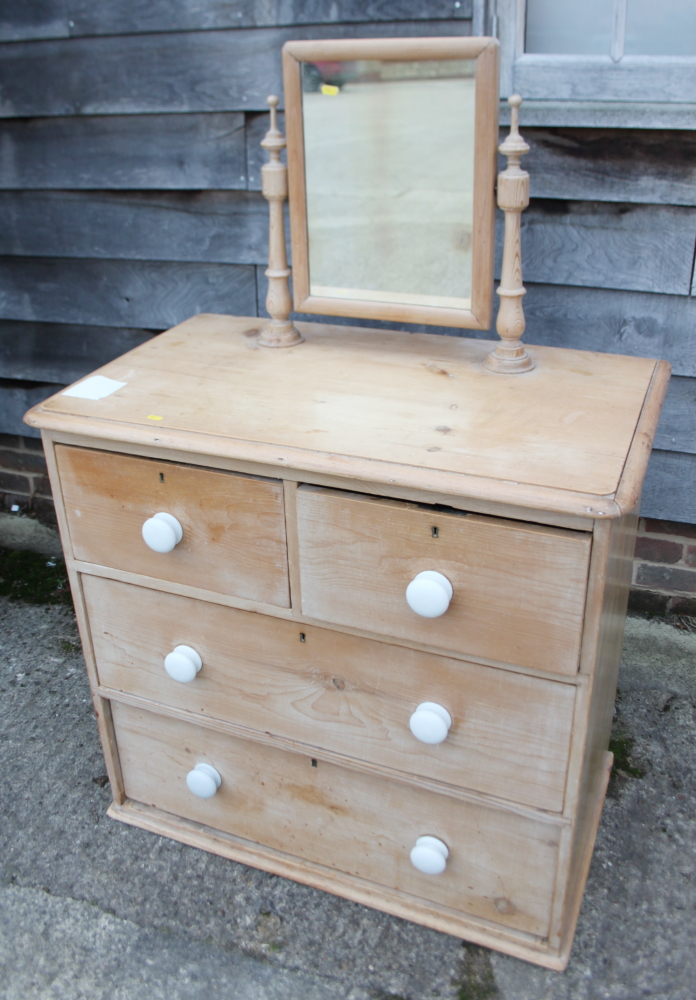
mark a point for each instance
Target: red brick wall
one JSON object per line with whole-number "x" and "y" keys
{"x": 24, "y": 485}
{"x": 664, "y": 571}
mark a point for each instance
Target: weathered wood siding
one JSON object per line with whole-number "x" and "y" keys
{"x": 129, "y": 197}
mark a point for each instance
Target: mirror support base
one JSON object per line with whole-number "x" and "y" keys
{"x": 278, "y": 331}
{"x": 510, "y": 357}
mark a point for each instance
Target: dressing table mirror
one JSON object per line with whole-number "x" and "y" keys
{"x": 352, "y": 610}
{"x": 392, "y": 158}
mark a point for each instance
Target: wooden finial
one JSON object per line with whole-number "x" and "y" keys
{"x": 510, "y": 357}
{"x": 278, "y": 331}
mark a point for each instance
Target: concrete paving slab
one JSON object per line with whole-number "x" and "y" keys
{"x": 64, "y": 948}
{"x": 19, "y": 532}
{"x": 90, "y": 905}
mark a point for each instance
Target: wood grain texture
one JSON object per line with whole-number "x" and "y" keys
{"x": 16, "y": 398}
{"x": 668, "y": 492}
{"x": 676, "y": 430}
{"x": 228, "y": 227}
{"x": 61, "y": 352}
{"x": 627, "y": 497}
{"x": 256, "y": 127}
{"x": 295, "y": 477}
{"x": 120, "y": 293}
{"x": 400, "y": 904}
{"x": 638, "y": 114}
{"x": 20, "y": 20}
{"x": 510, "y": 733}
{"x": 655, "y": 167}
{"x": 359, "y": 395}
{"x": 274, "y": 611}
{"x": 234, "y": 528}
{"x": 633, "y": 78}
{"x": 618, "y": 540}
{"x": 342, "y": 819}
{"x": 359, "y": 554}
{"x": 220, "y": 70}
{"x": 102, "y": 707}
{"x": 650, "y": 247}
{"x": 644, "y": 248}
{"x": 182, "y": 151}
{"x": 63, "y": 18}
{"x": 596, "y": 319}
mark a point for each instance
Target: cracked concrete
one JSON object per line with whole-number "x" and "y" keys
{"x": 91, "y": 908}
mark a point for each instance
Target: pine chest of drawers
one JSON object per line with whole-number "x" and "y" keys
{"x": 352, "y": 613}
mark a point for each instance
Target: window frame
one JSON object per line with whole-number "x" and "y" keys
{"x": 628, "y": 91}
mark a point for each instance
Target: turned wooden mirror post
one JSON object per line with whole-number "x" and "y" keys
{"x": 510, "y": 357}
{"x": 278, "y": 331}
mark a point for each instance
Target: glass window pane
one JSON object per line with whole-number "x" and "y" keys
{"x": 667, "y": 28}
{"x": 572, "y": 28}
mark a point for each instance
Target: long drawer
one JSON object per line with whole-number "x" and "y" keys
{"x": 501, "y": 865}
{"x": 510, "y": 732}
{"x": 233, "y": 526}
{"x": 518, "y": 589}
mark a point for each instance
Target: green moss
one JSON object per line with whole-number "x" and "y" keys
{"x": 478, "y": 982}
{"x": 30, "y": 577}
{"x": 621, "y": 746}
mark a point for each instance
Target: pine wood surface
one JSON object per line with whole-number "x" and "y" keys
{"x": 510, "y": 733}
{"x": 618, "y": 541}
{"x": 441, "y": 918}
{"x": 359, "y": 554}
{"x": 295, "y": 476}
{"x": 501, "y": 866}
{"x": 369, "y": 403}
{"x": 234, "y": 527}
{"x": 291, "y": 614}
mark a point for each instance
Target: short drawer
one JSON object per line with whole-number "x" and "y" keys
{"x": 509, "y": 736}
{"x": 233, "y": 526}
{"x": 518, "y": 589}
{"x": 501, "y": 864}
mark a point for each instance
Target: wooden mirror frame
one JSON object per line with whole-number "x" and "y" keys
{"x": 485, "y": 52}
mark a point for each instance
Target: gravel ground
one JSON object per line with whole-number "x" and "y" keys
{"x": 90, "y": 908}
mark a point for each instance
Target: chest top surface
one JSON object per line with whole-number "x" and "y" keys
{"x": 416, "y": 409}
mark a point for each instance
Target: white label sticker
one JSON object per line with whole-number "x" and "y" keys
{"x": 96, "y": 387}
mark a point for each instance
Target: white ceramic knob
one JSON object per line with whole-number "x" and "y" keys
{"x": 429, "y": 594}
{"x": 203, "y": 781}
{"x": 182, "y": 664}
{"x": 429, "y": 856}
{"x": 430, "y": 723}
{"x": 162, "y": 532}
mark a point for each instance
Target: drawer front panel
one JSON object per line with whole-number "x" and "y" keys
{"x": 501, "y": 865}
{"x": 510, "y": 733}
{"x": 233, "y": 526}
{"x": 518, "y": 589}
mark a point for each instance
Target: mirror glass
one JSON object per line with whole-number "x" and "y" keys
{"x": 389, "y": 164}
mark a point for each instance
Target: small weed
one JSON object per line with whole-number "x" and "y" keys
{"x": 69, "y": 647}
{"x": 32, "y": 578}
{"x": 621, "y": 746}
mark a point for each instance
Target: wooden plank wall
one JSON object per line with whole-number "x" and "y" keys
{"x": 129, "y": 197}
